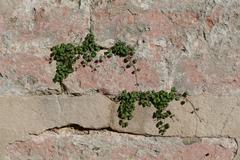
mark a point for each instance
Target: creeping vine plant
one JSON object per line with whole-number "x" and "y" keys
{"x": 66, "y": 56}
{"x": 159, "y": 100}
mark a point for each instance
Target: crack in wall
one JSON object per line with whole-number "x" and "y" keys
{"x": 76, "y": 129}
{"x": 237, "y": 152}
{"x": 79, "y": 3}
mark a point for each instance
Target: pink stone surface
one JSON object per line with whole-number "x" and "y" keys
{"x": 182, "y": 46}
{"x": 34, "y": 66}
{"x": 111, "y": 76}
{"x": 28, "y": 33}
{"x": 192, "y": 45}
{"x": 109, "y": 145}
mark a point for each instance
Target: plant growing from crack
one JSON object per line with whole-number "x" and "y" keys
{"x": 159, "y": 100}
{"x": 66, "y": 56}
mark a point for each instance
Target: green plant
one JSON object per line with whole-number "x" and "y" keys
{"x": 127, "y": 52}
{"x": 121, "y": 49}
{"x": 66, "y": 56}
{"x": 89, "y": 48}
{"x": 159, "y": 100}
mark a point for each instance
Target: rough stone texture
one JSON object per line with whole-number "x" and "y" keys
{"x": 28, "y": 29}
{"x": 217, "y": 116}
{"x": 190, "y": 44}
{"x": 68, "y": 144}
{"x": 237, "y": 156}
{"x": 21, "y": 116}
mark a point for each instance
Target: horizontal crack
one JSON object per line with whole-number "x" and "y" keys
{"x": 87, "y": 131}
{"x": 77, "y": 127}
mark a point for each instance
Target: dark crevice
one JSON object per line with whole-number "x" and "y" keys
{"x": 131, "y": 12}
{"x": 236, "y": 153}
{"x": 77, "y": 127}
{"x": 79, "y": 3}
{"x": 80, "y": 128}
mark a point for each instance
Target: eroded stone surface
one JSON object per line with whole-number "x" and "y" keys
{"x": 21, "y": 116}
{"x": 237, "y": 156}
{"x": 217, "y": 116}
{"x": 28, "y": 29}
{"x": 189, "y": 44}
{"x": 102, "y": 145}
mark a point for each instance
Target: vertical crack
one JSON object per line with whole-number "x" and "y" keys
{"x": 236, "y": 153}
{"x": 79, "y": 3}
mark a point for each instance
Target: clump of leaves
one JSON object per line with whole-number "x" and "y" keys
{"x": 66, "y": 56}
{"x": 89, "y": 48}
{"x": 159, "y": 100}
{"x": 122, "y": 49}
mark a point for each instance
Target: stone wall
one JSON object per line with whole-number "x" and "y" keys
{"x": 190, "y": 44}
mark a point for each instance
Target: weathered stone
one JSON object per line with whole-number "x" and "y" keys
{"x": 185, "y": 44}
{"x": 69, "y": 144}
{"x": 217, "y": 116}
{"x": 237, "y": 156}
{"x": 28, "y": 29}
{"x": 190, "y": 44}
{"x": 21, "y": 116}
